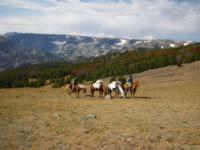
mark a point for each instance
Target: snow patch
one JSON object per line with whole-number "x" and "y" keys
{"x": 94, "y": 39}
{"x": 172, "y": 45}
{"x": 137, "y": 42}
{"x": 122, "y": 42}
{"x": 187, "y": 43}
{"x": 59, "y": 43}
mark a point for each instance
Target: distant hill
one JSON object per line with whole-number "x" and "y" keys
{"x": 27, "y": 48}
{"x": 90, "y": 69}
{"x": 13, "y": 54}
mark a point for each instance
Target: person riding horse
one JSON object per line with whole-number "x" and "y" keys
{"x": 75, "y": 88}
{"x": 130, "y": 81}
{"x": 74, "y": 83}
{"x": 131, "y": 86}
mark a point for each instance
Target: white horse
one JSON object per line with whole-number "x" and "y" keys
{"x": 97, "y": 86}
{"x": 117, "y": 87}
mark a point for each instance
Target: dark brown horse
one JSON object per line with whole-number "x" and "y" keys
{"x": 76, "y": 89}
{"x": 131, "y": 88}
{"x": 101, "y": 90}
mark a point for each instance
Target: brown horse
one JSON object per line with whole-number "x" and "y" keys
{"x": 101, "y": 90}
{"x": 131, "y": 88}
{"x": 76, "y": 90}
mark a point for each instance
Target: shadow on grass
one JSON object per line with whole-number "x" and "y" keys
{"x": 140, "y": 97}
{"x": 97, "y": 97}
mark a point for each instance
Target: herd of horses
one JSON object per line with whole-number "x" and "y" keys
{"x": 103, "y": 90}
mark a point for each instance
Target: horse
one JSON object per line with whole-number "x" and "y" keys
{"x": 131, "y": 88}
{"x": 76, "y": 90}
{"x": 114, "y": 86}
{"x": 100, "y": 88}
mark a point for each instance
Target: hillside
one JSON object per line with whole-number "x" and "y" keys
{"x": 116, "y": 64}
{"x": 163, "y": 115}
{"x": 30, "y": 48}
{"x": 13, "y": 55}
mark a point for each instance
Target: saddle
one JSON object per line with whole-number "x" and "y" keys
{"x": 128, "y": 85}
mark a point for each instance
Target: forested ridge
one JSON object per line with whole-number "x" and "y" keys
{"x": 115, "y": 64}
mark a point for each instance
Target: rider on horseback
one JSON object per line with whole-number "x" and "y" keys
{"x": 74, "y": 83}
{"x": 130, "y": 80}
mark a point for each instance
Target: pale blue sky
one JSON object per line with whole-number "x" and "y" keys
{"x": 166, "y": 19}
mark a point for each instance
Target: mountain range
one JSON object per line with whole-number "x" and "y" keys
{"x": 28, "y": 48}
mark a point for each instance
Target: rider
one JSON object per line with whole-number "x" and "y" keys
{"x": 74, "y": 83}
{"x": 130, "y": 80}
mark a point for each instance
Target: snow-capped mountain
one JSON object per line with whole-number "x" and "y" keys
{"x": 20, "y": 48}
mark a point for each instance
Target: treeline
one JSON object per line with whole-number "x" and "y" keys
{"x": 117, "y": 64}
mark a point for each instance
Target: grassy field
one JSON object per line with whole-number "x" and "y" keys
{"x": 164, "y": 115}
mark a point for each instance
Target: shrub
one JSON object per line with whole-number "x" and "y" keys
{"x": 57, "y": 83}
{"x": 112, "y": 79}
{"x": 37, "y": 83}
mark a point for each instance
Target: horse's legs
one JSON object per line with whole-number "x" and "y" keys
{"x": 92, "y": 90}
{"x": 69, "y": 91}
{"x": 131, "y": 90}
{"x": 101, "y": 93}
{"x": 110, "y": 92}
{"x": 116, "y": 93}
{"x": 78, "y": 91}
{"x": 125, "y": 93}
{"x": 78, "y": 94}
{"x": 85, "y": 90}
{"x": 134, "y": 91}
{"x": 92, "y": 93}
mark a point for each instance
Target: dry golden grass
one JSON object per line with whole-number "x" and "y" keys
{"x": 164, "y": 115}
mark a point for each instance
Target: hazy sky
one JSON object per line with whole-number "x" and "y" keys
{"x": 168, "y": 19}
